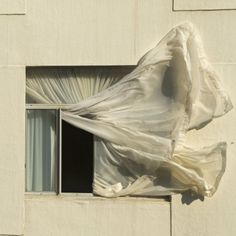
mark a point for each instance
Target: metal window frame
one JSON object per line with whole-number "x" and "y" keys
{"x": 58, "y": 108}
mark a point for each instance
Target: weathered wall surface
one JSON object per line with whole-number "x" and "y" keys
{"x": 106, "y": 32}
{"x": 116, "y": 32}
{"x": 12, "y": 149}
{"x": 195, "y": 5}
{"x": 77, "y": 216}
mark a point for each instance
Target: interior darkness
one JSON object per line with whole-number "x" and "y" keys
{"x": 77, "y": 159}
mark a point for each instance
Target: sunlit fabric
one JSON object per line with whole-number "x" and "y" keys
{"x": 141, "y": 121}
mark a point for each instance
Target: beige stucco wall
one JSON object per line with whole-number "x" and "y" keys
{"x": 95, "y": 216}
{"x": 12, "y": 149}
{"x": 204, "y": 4}
{"x": 105, "y": 32}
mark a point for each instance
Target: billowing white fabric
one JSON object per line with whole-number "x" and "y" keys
{"x": 141, "y": 122}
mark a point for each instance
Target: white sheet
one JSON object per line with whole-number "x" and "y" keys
{"x": 141, "y": 122}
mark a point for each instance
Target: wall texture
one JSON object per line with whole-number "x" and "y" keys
{"x": 106, "y": 32}
{"x": 77, "y": 216}
{"x": 12, "y": 149}
{"x": 196, "y": 5}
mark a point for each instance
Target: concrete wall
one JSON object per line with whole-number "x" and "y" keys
{"x": 105, "y": 32}
{"x": 12, "y": 149}
{"x": 96, "y": 216}
{"x": 195, "y": 5}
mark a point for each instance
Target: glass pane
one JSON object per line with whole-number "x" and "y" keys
{"x": 41, "y": 150}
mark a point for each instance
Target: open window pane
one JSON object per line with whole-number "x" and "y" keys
{"x": 77, "y": 159}
{"x": 41, "y": 150}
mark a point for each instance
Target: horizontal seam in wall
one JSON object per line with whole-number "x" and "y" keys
{"x": 10, "y": 14}
{"x": 184, "y": 10}
{"x": 197, "y": 10}
{"x": 223, "y": 63}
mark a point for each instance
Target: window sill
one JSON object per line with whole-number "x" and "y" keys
{"x": 91, "y": 197}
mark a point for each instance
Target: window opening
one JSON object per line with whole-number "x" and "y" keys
{"x": 77, "y": 159}
{"x": 60, "y": 157}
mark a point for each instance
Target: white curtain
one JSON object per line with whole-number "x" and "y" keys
{"x": 141, "y": 121}
{"x": 41, "y": 151}
{"x": 68, "y": 85}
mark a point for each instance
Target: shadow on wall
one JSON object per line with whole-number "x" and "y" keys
{"x": 188, "y": 197}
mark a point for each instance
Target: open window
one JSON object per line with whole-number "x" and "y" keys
{"x": 59, "y": 156}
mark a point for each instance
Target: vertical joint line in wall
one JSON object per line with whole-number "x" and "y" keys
{"x": 171, "y": 223}
{"x": 135, "y": 26}
{"x": 7, "y": 46}
{"x": 173, "y": 5}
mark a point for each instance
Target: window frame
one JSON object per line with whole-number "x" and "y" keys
{"x": 57, "y": 142}
{"x": 58, "y": 108}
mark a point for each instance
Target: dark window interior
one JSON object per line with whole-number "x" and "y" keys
{"x": 77, "y": 159}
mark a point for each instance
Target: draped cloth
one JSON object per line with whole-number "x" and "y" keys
{"x": 141, "y": 121}
{"x": 41, "y": 151}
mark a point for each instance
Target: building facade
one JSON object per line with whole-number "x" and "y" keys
{"x": 107, "y": 32}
